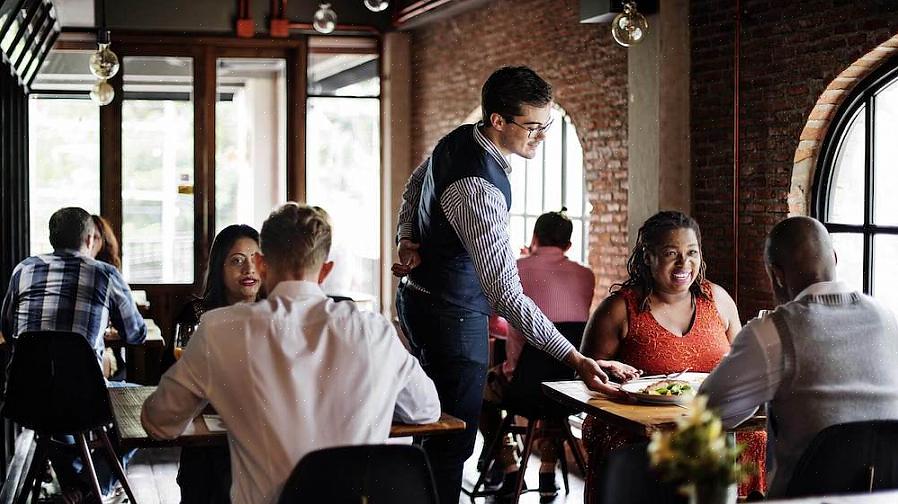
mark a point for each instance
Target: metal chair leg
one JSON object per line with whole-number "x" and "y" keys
{"x": 562, "y": 457}
{"x": 89, "y": 463}
{"x": 575, "y": 447}
{"x": 40, "y": 462}
{"x": 116, "y": 465}
{"x": 490, "y": 456}
{"x": 525, "y": 457}
{"x": 32, "y": 483}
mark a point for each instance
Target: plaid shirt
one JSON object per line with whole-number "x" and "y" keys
{"x": 66, "y": 291}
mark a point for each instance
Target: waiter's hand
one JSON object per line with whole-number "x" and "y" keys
{"x": 592, "y": 375}
{"x": 623, "y": 372}
{"x": 409, "y": 258}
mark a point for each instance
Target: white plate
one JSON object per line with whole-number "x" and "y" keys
{"x": 635, "y": 388}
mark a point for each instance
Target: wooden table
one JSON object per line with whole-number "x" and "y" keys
{"x": 127, "y": 402}
{"x": 639, "y": 418}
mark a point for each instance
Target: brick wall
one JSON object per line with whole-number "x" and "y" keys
{"x": 588, "y": 70}
{"x": 791, "y": 51}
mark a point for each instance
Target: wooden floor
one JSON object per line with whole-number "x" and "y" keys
{"x": 152, "y": 475}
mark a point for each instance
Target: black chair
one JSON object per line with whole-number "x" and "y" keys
{"x": 848, "y": 458}
{"x": 626, "y": 478}
{"x": 383, "y": 474}
{"x": 55, "y": 387}
{"x": 545, "y": 417}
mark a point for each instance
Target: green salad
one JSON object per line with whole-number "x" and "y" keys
{"x": 669, "y": 388}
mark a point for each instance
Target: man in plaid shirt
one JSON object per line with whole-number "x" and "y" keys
{"x": 68, "y": 291}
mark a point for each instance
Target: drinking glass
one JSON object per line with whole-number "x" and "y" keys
{"x": 183, "y": 332}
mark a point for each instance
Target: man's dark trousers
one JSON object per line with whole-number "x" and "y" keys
{"x": 451, "y": 344}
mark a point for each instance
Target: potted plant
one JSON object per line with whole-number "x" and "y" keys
{"x": 698, "y": 455}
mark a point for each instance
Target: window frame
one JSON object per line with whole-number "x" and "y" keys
{"x": 583, "y": 220}
{"x": 322, "y": 45}
{"x": 864, "y": 95}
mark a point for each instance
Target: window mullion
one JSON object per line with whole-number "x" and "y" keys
{"x": 869, "y": 116}
{"x": 563, "y": 161}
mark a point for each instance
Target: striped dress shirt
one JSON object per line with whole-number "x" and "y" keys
{"x": 477, "y": 212}
{"x": 68, "y": 292}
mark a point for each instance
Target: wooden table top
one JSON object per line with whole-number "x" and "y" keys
{"x": 127, "y": 402}
{"x": 639, "y": 418}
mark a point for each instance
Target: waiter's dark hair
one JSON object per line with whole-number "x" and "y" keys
{"x": 508, "y": 88}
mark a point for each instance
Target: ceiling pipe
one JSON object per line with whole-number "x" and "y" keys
{"x": 417, "y": 9}
{"x": 347, "y": 28}
{"x": 281, "y": 26}
{"x": 736, "y": 157}
{"x": 246, "y": 28}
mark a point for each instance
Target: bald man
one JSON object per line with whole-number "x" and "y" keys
{"x": 827, "y": 355}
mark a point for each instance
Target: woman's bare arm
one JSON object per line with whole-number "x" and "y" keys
{"x": 728, "y": 311}
{"x": 606, "y": 328}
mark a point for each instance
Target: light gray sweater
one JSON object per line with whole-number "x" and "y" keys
{"x": 840, "y": 356}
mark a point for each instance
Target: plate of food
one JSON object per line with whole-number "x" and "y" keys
{"x": 679, "y": 390}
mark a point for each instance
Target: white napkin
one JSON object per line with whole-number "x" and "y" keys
{"x": 214, "y": 423}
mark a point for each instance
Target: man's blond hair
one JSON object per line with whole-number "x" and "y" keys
{"x": 296, "y": 237}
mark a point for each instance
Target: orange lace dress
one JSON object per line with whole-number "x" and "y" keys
{"x": 655, "y": 350}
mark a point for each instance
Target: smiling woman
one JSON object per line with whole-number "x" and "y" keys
{"x": 664, "y": 318}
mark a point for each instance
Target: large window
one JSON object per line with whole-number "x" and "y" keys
{"x": 855, "y": 186}
{"x": 157, "y": 170}
{"x": 250, "y": 140}
{"x": 554, "y": 178}
{"x": 207, "y": 132}
{"x": 64, "y": 135}
{"x": 343, "y": 164}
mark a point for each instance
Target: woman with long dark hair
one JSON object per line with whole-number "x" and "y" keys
{"x": 666, "y": 317}
{"x": 204, "y": 474}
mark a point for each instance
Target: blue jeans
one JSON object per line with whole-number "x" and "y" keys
{"x": 70, "y": 469}
{"x": 451, "y": 344}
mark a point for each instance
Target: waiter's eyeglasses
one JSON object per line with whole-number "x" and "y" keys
{"x": 532, "y": 131}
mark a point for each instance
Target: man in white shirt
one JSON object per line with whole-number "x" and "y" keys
{"x": 293, "y": 373}
{"x": 827, "y": 355}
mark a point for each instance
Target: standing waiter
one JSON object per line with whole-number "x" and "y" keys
{"x": 454, "y": 252}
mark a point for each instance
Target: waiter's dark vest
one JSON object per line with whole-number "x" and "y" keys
{"x": 446, "y": 268}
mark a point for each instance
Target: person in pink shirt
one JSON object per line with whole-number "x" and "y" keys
{"x": 563, "y": 290}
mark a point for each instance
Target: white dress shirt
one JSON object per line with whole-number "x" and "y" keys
{"x": 293, "y": 373}
{"x": 751, "y": 373}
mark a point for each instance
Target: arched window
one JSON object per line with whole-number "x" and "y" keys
{"x": 856, "y": 186}
{"x": 552, "y": 179}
